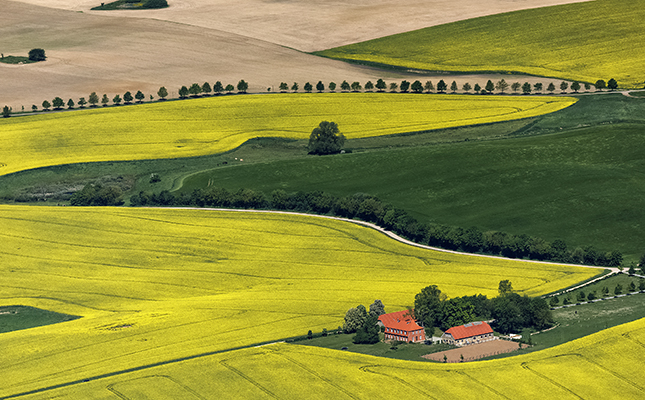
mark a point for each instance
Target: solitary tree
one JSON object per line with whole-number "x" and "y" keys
{"x": 368, "y": 333}
{"x": 283, "y": 87}
{"x": 393, "y": 86}
{"x": 229, "y": 88}
{"x": 139, "y": 96}
{"x": 37, "y": 55}
{"x": 526, "y": 88}
{"x": 82, "y": 102}
{"x": 295, "y": 87}
{"x": 308, "y": 88}
{"x": 94, "y": 99}
{"x": 429, "y": 87}
{"x": 105, "y": 100}
{"x": 369, "y": 86}
{"x": 405, "y": 85}
{"x": 58, "y": 103}
{"x": 326, "y": 139}
{"x": 320, "y": 86}
{"x": 453, "y": 86}
{"x": 377, "y": 308}
{"x": 354, "y": 319}
{"x": 537, "y": 87}
{"x": 162, "y": 93}
{"x": 6, "y": 112}
{"x": 218, "y": 87}
{"x": 587, "y": 86}
{"x": 477, "y": 88}
{"x": 490, "y": 86}
{"x": 575, "y": 86}
{"x": 515, "y": 87}
{"x": 332, "y": 86}
{"x": 356, "y": 87}
{"x": 427, "y": 307}
{"x": 46, "y": 105}
{"x": 550, "y": 88}
{"x": 417, "y": 87}
{"x": 206, "y": 88}
{"x": 381, "y": 85}
{"x": 34, "y": 108}
{"x": 501, "y": 85}
{"x": 242, "y": 86}
{"x": 505, "y": 287}
{"x": 600, "y": 84}
{"x": 466, "y": 87}
{"x": 183, "y": 92}
{"x": 344, "y": 86}
{"x": 195, "y": 89}
{"x": 117, "y": 100}
{"x": 564, "y": 86}
{"x": 70, "y": 104}
{"x": 612, "y": 84}
{"x": 441, "y": 86}
{"x": 127, "y": 97}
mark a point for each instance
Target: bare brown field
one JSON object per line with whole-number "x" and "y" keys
{"x": 310, "y": 25}
{"x": 112, "y": 54}
{"x": 476, "y": 351}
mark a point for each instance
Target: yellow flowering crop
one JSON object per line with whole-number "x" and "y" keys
{"x": 213, "y": 125}
{"x": 154, "y": 285}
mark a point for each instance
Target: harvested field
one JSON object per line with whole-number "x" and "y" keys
{"x": 143, "y": 50}
{"x": 475, "y": 351}
{"x": 313, "y": 25}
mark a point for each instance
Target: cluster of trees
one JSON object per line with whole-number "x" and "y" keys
{"x": 97, "y": 195}
{"x": 371, "y": 209}
{"x": 364, "y": 323}
{"x": 37, "y": 55}
{"x": 511, "y": 312}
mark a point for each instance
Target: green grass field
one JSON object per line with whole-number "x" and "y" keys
{"x": 15, "y": 318}
{"x": 583, "y": 185}
{"x": 215, "y": 125}
{"x": 157, "y": 285}
{"x": 580, "y": 42}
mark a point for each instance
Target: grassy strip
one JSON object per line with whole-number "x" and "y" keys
{"x": 559, "y": 43}
{"x": 15, "y": 318}
{"x": 16, "y": 60}
{"x": 213, "y": 125}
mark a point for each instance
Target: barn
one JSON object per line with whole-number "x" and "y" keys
{"x": 471, "y": 333}
{"x": 402, "y": 327}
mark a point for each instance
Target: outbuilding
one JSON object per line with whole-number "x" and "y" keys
{"x": 402, "y": 327}
{"x": 471, "y": 333}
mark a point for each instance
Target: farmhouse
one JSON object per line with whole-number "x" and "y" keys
{"x": 471, "y": 333}
{"x": 402, "y": 327}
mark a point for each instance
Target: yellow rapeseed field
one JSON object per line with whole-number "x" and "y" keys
{"x": 213, "y": 125}
{"x": 157, "y": 285}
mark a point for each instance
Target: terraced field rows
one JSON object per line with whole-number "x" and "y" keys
{"x": 214, "y": 125}
{"x": 156, "y": 285}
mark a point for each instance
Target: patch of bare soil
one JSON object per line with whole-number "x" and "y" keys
{"x": 476, "y": 351}
{"x": 310, "y": 25}
{"x": 112, "y": 54}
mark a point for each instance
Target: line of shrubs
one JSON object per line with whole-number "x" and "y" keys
{"x": 371, "y": 209}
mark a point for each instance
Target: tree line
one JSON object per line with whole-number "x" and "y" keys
{"x": 205, "y": 89}
{"x": 371, "y": 209}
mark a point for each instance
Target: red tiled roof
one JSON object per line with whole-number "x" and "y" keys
{"x": 468, "y": 330}
{"x": 397, "y": 320}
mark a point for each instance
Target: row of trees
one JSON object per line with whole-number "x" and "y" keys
{"x": 442, "y": 87}
{"x": 605, "y": 292}
{"x": 511, "y": 312}
{"x": 371, "y": 209}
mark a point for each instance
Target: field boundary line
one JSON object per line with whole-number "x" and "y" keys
{"x": 391, "y": 234}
